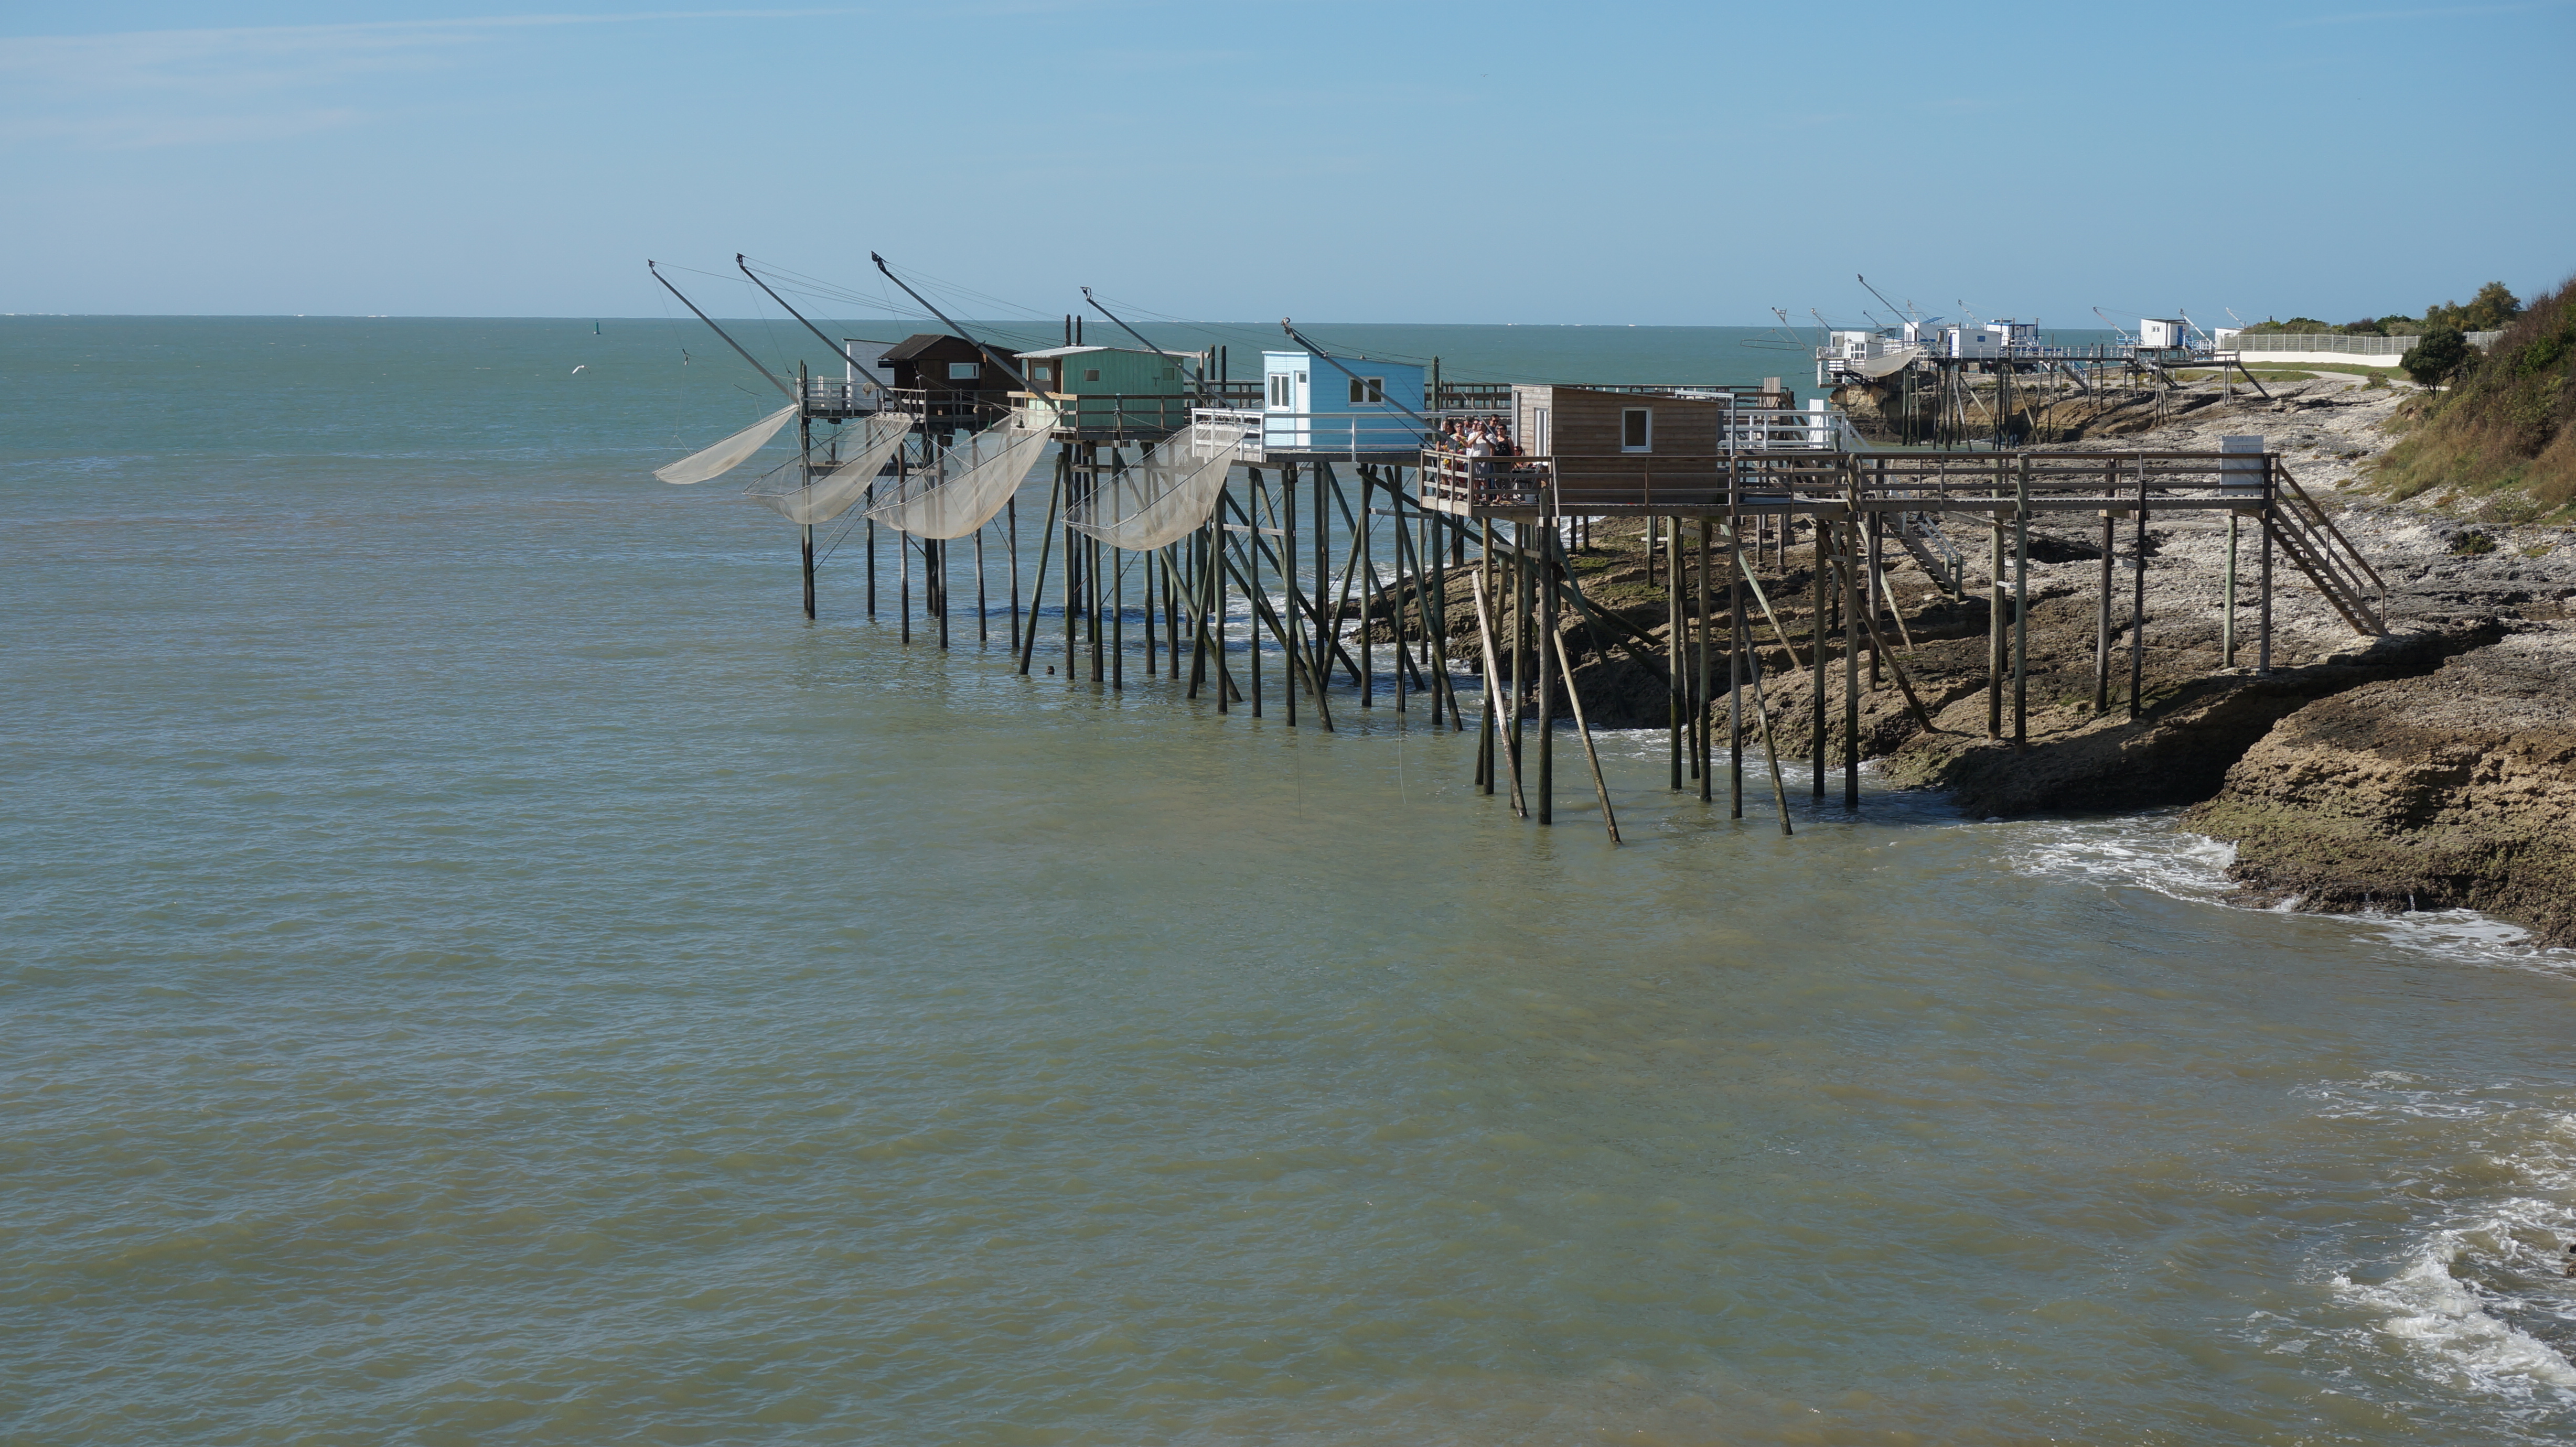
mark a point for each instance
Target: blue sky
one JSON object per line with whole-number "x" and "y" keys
{"x": 1609, "y": 163}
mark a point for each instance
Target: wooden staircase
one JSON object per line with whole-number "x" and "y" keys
{"x": 2316, "y": 547}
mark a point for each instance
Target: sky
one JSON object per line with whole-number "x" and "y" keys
{"x": 1353, "y": 160}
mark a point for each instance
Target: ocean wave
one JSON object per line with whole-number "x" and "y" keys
{"x": 2137, "y": 851}
{"x": 2152, "y": 851}
{"x": 2483, "y": 1300}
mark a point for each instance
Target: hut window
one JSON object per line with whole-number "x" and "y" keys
{"x": 1091, "y": 374}
{"x": 1279, "y": 389}
{"x": 1368, "y": 389}
{"x": 965, "y": 371}
{"x": 1171, "y": 374}
{"x": 1637, "y": 429}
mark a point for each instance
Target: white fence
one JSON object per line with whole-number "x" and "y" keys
{"x": 2339, "y": 344}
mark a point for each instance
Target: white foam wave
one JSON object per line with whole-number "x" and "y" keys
{"x": 2151, "y": 851}
{"x": 2482, "y": 1265}
{"x": 2451, "y": 1325}
{"x": 2140, "y": 851}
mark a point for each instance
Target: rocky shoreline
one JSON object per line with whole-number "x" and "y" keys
{"x": 2431, "y": 768}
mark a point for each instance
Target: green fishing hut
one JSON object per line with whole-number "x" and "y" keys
{"x": 1114, "y": 391}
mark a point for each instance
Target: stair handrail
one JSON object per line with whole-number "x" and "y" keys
{"x": 2301, "y": 494}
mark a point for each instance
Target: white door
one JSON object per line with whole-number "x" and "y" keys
{"x": 1278, "y": 399}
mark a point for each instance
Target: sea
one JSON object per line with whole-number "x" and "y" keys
{"x": 477, "y": 965}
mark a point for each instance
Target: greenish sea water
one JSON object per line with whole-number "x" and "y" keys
{"x": 478, "y": 966}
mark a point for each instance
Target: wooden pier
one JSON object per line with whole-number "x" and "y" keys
{"x": 1301, "y": 517}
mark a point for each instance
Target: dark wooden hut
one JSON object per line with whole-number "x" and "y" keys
{"x": 954, "y": 378}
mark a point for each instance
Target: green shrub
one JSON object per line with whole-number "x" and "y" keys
{"x": 2432, "y": 361}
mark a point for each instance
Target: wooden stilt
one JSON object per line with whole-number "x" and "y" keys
{"x": 1546, "y": 588}
{"x": 1252, "y": 592}
{"x": 1288, "y": 574}
{"x": 1591, "y": 756}
{"x": 1870, "y": 592}
{"x": 1074, "y": 480}
{"x": 2021, "y": 605}
{"x": 805, "y": 461}
{"x": 983, "y": 614}
{"x": 2138, "y": 607}
{"x": 1762, "y": 706}
{"x": 1482, "y": 582}
{"x": 1509, "y": 627}
{"x": 1735, "y": 664}
{"x": 1037, "y": 585}
{"x": 1011, "y": 538}
{"x": 1324, "y": 625}
{"x": 1816, "y": 637}
{"x": 1365, "y": 527}
{"x": 1851, "y": 669}
{"x": 1996, "y": 613}
{"x": 1117, "y": 622}
{"x": 2102, "y": 622}
{"x": 1199, "y": 563}
{"x": 2227, "y": 607}
{"x": 1493, "y": 688}
{"x": 2263, "y": 620}
{"x": 1677, "y": 693}
{"x": 809, "y": 571}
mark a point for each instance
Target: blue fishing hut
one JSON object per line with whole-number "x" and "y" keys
{"x": 1344, "y": 406}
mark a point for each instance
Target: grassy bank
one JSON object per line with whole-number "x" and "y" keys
{"x": 2499, "y": 439}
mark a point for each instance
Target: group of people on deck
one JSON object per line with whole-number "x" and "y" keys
{"x": 1478, "y": 437}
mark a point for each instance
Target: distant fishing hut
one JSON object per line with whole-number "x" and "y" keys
{"x": 950, "y": 379}
{"x": 1100, "y": 391}
{"x": 1346, "y": 407}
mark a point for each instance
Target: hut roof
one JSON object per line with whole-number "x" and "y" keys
{"x": 1046, "y": 352}
{"x": 921, "y": 344}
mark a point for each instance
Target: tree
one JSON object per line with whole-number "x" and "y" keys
{"x": 2493, "y": 308}
{"x": 2433, "y": 360}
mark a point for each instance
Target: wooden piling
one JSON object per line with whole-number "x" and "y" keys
{"x": 1546, "y": 693}
{"x": 1493, "y": 687}
{"x": 1762, "y": 706}
{"x": 1995, "y": 615}
{"x": 1288, "y": 578}
{"x": 1851, "y": 668}
{"x": 1368, "y": 655}
{"x": 2021, "y": 605}
{"x": 1037, "y": 585}
{"x": 2138, "y": 607}
{"x": 1677, "y": 689}
{"x": 1591, "y": 756}
{"x": 2227, "y": 606}
{"x": 1816, "y": 637}
{"x": 2102, "y": 619}
{"x": 2263, "y": 621}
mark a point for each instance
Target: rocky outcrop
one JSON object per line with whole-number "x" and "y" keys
{"x": 2177, "y": 752}
{"x": 2452, "y": 788}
